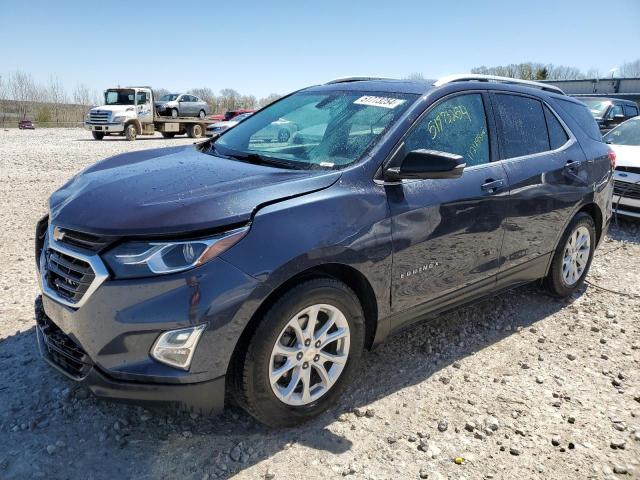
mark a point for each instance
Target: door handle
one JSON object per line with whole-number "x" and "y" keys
{"x": 490, "y": 185}
{"x": 571, "y": 165}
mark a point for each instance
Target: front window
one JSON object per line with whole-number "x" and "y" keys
{"x": 627, "y": 133}
{"x": 119, "y": 97}
{"x": 316, "y": 129}
{"x": 169, "y": 97}
{"x": 597, "y": 107}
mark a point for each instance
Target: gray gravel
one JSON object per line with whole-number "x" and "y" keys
{"x": 519, "y": 386}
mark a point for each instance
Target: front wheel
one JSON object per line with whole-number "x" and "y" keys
{"x": 130, "y": 132}
{"x": 97, "y": 135}
{"x": 303, "y": 354}
{"x": 572, "y": 258}
{"x": 174, "y": 113}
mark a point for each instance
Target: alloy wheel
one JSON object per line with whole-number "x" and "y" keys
{"x": 576, "y": 256}
{"x": 310, "y": 354}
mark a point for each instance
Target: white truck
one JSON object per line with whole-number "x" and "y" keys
{"x": 130, "y": 111}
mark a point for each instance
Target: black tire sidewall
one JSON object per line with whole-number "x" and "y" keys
{"x": 260, "y": 400}
{"x": 127, "y": 129}
{"x": 555, "y": 282}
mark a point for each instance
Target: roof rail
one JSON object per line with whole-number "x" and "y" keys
{"x": 355, "y": 79}
{"x": 493, "y": 78}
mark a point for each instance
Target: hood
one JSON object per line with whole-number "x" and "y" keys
{"x": 626, "y": 155}
{"x": 172, "y": 103}
{"x": 174, "y": 190}
{"x": 113, "y": 109}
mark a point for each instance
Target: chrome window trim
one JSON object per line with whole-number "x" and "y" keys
{"x": 95, "y": 262}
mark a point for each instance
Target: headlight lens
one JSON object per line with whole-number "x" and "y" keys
{"x": 143, "y": 259}
{"x": 119, "y": 119}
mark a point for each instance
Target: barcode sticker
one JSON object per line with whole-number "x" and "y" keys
{"x": 383, "y": 102}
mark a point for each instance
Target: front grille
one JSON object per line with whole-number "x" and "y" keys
{"x": 87, "y": 241}
{"x": 99, "y": 117}
{"x": 60, "y": 348}
{"x": 68, "y": 277}
{"x": 626, "y": 189}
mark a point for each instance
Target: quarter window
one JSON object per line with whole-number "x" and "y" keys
{"x": 557, "y": 135}
{"x": 630, "y": 111}
{"x": 522, "y": 125}
{"x": 457, "y": 125}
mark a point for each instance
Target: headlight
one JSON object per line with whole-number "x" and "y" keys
{"x": 119, "y": 119}
{"x": 176, "y": 347}
{"x": 144, "y": 259}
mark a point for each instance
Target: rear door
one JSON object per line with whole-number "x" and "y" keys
{"x": 548, "y": 176}
{"x": 447, "y": 233}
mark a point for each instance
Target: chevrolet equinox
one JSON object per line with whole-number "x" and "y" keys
{"x": 254, "y": 269}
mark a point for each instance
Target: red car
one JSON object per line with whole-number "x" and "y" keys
{"x": 230, "y": 114}
{"x": 26, "y": 125}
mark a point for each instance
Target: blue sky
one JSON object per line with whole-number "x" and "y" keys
{"x": 278, "y": 46}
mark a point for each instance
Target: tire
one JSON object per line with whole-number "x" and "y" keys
{"x": 254, "y": 391}
{"x": 130, "y": 132}
{"x": 168, "y": 134}
{"x": 97, "y": 135}
{"x": 202, "y": 114}
{"x": 174, "y": 113}
{"x": 284, "y": 135}
{"x": 562, "y": 279}
{"x": 195, "y": 130}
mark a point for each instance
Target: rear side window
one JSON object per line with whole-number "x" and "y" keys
{"x": 522, "y": 125}
{"x": 581, "y": 114}
{"x": 557, "y": 134}
{"x": 457, "y": 125}
{"x": 630, "y": 111}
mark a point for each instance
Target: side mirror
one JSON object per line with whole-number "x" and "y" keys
{"x": 425, "y": 164}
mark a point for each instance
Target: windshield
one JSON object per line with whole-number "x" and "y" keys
{"x": 119, "y": 97}
{"x": 627, "y": 133}
{"x": 316, "y": 129}
{"x": 597, "y": 107}
{"x": 169, "y": 97}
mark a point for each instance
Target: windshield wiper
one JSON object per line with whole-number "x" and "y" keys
{"x": 258, "y": 159}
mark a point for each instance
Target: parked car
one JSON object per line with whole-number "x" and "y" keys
{"x": 219, "y": 127}
{"x": 261, "y": 270}
{"x": 26, "y": 125}
{"x": 610, "y": 112}
{"x": 182, "y": 105}
{"x": 230, "y": 114}
{"x": 625, "y": 141}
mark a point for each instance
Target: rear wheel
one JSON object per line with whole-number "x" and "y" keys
{"x": 195, "y": 130}
{"x": 303, "y": 354}
{"x": 97, "y": 135}
{"x": 130, "y": 132}
{"x": 572, "y": 258}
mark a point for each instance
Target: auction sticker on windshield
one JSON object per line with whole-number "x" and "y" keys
{"x": 384, "y": 102}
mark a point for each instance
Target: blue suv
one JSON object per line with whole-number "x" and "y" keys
{"x": 256, "y": 268}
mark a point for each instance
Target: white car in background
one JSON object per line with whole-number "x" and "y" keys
{"x": 625, "y": 141}
{"x": 219, "y": 127}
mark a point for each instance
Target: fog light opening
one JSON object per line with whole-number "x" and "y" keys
{"x": 176, "y": 347}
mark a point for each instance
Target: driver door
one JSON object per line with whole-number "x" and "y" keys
{"x": 447, "y": 233}
{"x": 144, "y": 109}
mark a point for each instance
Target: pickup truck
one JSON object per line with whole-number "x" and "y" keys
{"x": 130, "y": 111}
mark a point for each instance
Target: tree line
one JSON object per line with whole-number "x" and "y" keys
{"x": 51, "y": 102}
{"x": 541, "y": 71}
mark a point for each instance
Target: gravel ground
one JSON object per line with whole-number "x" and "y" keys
{"x": 519, "y": 386}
